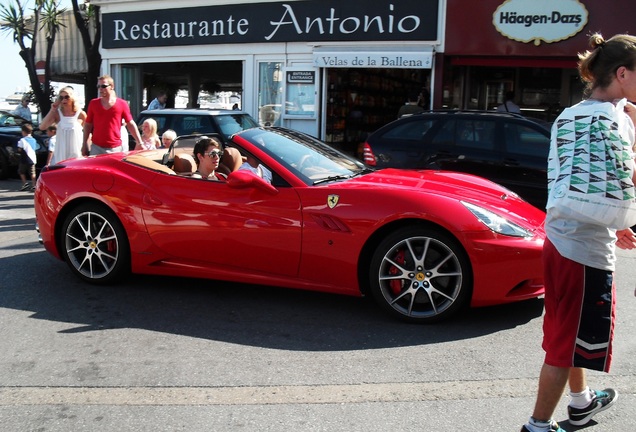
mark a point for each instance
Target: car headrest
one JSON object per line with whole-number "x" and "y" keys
{"x": 184, "y": 163}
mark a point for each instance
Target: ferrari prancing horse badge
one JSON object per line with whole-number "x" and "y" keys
{"x": 332, "y": 200}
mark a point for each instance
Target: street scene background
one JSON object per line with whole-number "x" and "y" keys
{"x": 179, "y": 354}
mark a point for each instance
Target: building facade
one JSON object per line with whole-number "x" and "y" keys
{"x": 526, "y": 46}
{"x": 338, "y": 71}
{"x": 326, "y": 67}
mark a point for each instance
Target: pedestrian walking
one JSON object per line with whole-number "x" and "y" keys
{"x": 579, "y": 255}
{"x": 103, "y": 123}
{"x": 69, "y": 118}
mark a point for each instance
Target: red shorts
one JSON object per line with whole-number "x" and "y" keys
{"x": 578, "y": 325}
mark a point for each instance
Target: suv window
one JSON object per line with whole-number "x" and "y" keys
{"x": 477, "y": 134}
{"x": 204, "y": 122}
{"x": 231, "y": 124}
{"x": 525, "y": 140}
{"x": 192, "y": 124}
{"x": 413, "y": 130}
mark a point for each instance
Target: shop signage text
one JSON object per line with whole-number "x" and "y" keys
{"x": 301, "y": 77}
{"x": 399, "y": 60}
{"x": 311, "y": 20}
{"x": 540, "y": 20}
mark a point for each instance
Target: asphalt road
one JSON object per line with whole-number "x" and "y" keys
{"x": 168, "y": 354}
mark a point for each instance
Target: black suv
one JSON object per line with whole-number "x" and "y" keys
{"x": 10, "y": 134}
{"x": 508, "y": 149}
{"x": 189, "y": 121}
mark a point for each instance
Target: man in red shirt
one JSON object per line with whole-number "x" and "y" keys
{"x": 104, "y": 120}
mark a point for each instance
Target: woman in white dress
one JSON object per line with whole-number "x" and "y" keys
{"x": 69, "y": 117}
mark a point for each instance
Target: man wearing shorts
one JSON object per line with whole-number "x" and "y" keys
{"x": 104, "y": 119}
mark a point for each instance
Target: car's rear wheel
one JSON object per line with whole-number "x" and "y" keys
{"x": 94, "y": 244}
{"x": 4, "y": 166}
{"x": 420, "y": 275}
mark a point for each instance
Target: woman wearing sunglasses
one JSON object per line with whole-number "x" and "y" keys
{"x": 208, "y": 153}
{"x": 69, "y": 117}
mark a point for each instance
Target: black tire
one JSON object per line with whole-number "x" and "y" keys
{"x": 420, "y": 275}
{"x": 4, "y": 166}
{"x": 94, "y": 244}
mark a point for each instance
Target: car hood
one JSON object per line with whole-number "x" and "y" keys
{"x": 454, "y": 185}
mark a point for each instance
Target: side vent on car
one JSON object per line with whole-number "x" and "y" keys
{"x": 330, "y": 223}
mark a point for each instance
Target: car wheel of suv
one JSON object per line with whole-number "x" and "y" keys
{"x": 420, "y": 275}
{"x": 4, "y": 166}
{"x": 94, "y": 244}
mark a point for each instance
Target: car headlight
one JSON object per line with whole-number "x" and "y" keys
{"x": 497, "y": 223}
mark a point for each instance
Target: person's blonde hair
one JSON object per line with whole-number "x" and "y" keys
{"x": 71, "y": 93}
{"x": 152, "y": 125}
{"x": 170, "y": 134}
{"x": 598, "y": 66}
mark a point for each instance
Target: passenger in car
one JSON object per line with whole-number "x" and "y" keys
{"x": 253, "y": 165}
{"x": 149, "y": 138}
{"x": 207, "y": 154}
{"x": 167, "y": 138}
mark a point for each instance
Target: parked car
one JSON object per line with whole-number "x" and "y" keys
{"x": 10, "y": 134}
{"x": 197, "y": 121}
{"x": 508, "y": 149}
{"x": 423, "y": 244}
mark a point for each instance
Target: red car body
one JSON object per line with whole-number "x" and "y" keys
{"x": 294, "y": 233}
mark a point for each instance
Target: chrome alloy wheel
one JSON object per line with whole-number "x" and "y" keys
{"x": 421, "y": 277}
{"x": 92, "y": 245}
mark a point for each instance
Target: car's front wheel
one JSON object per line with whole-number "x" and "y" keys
{"x": 420, "y": 275}
{"x": 94, "y": 244}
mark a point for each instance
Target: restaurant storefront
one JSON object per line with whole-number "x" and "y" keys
{"x": 325, "y": 67}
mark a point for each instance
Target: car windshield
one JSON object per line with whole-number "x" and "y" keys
{"x": 8, "y": 119}
{"x": 310, "y": 159}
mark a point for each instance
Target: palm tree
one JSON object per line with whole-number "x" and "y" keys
{"x": 47, "y": 17}
{"x": 91, "y": 45}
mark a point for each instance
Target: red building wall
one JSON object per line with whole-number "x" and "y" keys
{"x": 470, "y": 29}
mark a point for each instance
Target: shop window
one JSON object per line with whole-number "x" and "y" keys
{"x": 270, "y": 93}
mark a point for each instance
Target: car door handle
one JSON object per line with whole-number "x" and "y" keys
{"x": 151, "y": 200}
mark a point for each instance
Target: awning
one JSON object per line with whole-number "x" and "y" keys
{"x": 531, "y": 62}
{"x": 67, "y": 56}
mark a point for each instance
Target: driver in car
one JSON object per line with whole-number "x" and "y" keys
{"x": 207, "y": 154}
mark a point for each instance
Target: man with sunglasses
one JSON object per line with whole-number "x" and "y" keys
{"x": 104, "y": 120}
{"x": 208, "y": 153}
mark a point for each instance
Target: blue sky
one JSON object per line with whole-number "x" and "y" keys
{"x": 13, "y": 74}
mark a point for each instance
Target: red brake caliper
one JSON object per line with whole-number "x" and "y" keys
{"x": 396, "y": 285}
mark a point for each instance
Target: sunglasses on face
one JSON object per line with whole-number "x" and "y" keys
{"x": 216, "y": 153}
{"x": 65, "y": 97}
{"x": 103, "y": 86}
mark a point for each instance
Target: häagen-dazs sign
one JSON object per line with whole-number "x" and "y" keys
{"x": 540, "y": 20}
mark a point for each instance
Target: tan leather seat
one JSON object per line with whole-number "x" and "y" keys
{"x": 184, "y": 163}
{"x": 231, "y": 161}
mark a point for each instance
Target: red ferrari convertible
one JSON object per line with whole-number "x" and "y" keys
{"x": 423, "y": 244}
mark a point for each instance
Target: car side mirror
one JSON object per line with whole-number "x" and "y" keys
{"x": 243, "y": 179}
